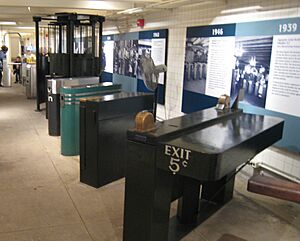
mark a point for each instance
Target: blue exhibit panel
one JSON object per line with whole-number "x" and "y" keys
{"x": 141, "y": 87}
{"x": 161, "y": 94}
{"x": 153, "y": 34}
{"x": 291, "y": 137}
{"x": 126, "y": 36}
{"x": 269, "y": 27}
{"x": 129, "y": 84}
{"x": 192, "y": 101}
{"x": 106, "y": 77}
{"x": 219, "y": 30}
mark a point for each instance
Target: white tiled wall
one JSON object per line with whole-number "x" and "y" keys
{"x": 280, "y": 162}
{"x": 178, "y": 20}
{"x": 211, "y": 13}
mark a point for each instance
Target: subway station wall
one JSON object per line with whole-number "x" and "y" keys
{"x": 231, "y": 11}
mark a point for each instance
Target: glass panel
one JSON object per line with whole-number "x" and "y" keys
{"x": 44, "y": 37}
{"x": 77, "y": 42}
{"x": 64, "y": 39}
{"x": 52, "y": 38}
{"x": 97, "y": 40}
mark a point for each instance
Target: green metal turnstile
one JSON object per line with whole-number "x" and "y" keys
{"x": 69, "y": 112}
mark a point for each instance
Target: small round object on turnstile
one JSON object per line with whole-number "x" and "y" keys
{"x": 144, "y": 121}
{"x": 224, "y": 100}
{"x": 95, "y": 98}
{"x": 83, "y": 100}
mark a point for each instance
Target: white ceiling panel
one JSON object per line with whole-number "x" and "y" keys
{"x": 22, "y": 11}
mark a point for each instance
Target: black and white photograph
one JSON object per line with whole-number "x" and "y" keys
{"x": 151, "y": 67}
{"x": 133, "y": 58}
{"x": 144, "y": 52}
{"x": 252, "y": 68}
{"x": 126, "y": 57}
{"x": 146, "y": 64}
{"x": 195, "y": 65}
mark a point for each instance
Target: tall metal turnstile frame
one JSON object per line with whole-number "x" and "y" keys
{"x": 68, "y": 45}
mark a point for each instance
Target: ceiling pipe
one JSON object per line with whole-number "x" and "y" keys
{"x": 8, "y": 33}
{"x": 166, "y": 5}
{"x": 180, "y": 3}
{"x": 20, "y": 39}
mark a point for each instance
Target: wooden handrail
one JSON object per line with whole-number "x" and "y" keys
{"x": 274, "y": 187}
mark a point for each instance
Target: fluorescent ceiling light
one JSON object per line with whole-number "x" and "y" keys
{"x": 103, "y": 5}
{"x": 8, "y": 23}
{"x": 239, "y": 10}
{"x": 195, "y": 3}
{"x": 26, "y": 27}
{"x": 131, "y": 11}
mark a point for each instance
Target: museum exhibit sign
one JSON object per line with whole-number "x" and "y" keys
{"x": 260, "y": 58}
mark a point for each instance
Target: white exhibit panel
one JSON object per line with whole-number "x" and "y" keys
{"x": 220, "y": 65}
{"x": 158, "y": 55}
{"x": 284, "y": 86}
{"x": 108, "y": 52}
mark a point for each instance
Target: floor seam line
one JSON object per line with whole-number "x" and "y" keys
{"x": 29, "y": 229}
{"x": 64, "y": 185}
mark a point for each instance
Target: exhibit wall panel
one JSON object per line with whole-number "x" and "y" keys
{"x": 131, "y": 59}
{"x": 208, "y": 13}
{"x": 263, "y": 61}
{"x": 216, "y": 12}
{"x": 261, "y": 58}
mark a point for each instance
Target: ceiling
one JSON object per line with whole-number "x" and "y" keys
{"x": 117, "y": 12}
{"x": 21, "y": 11}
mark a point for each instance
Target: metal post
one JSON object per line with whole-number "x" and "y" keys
{"x": 60, "y": 37}
{"x": 54, "y": 30}
{"x": 100, "y": 47}
{"x": 49, "y": 37}
{"x": 70, "y": 47}
{"x": 93, "y": 22}
{"x": 80, "y": 40}
{"x": 155, "y": 102}
{"x": 38, "y": 62}
{"x": 93, "y": 38}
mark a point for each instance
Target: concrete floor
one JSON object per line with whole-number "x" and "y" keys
{"x": 41, "y": 198}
